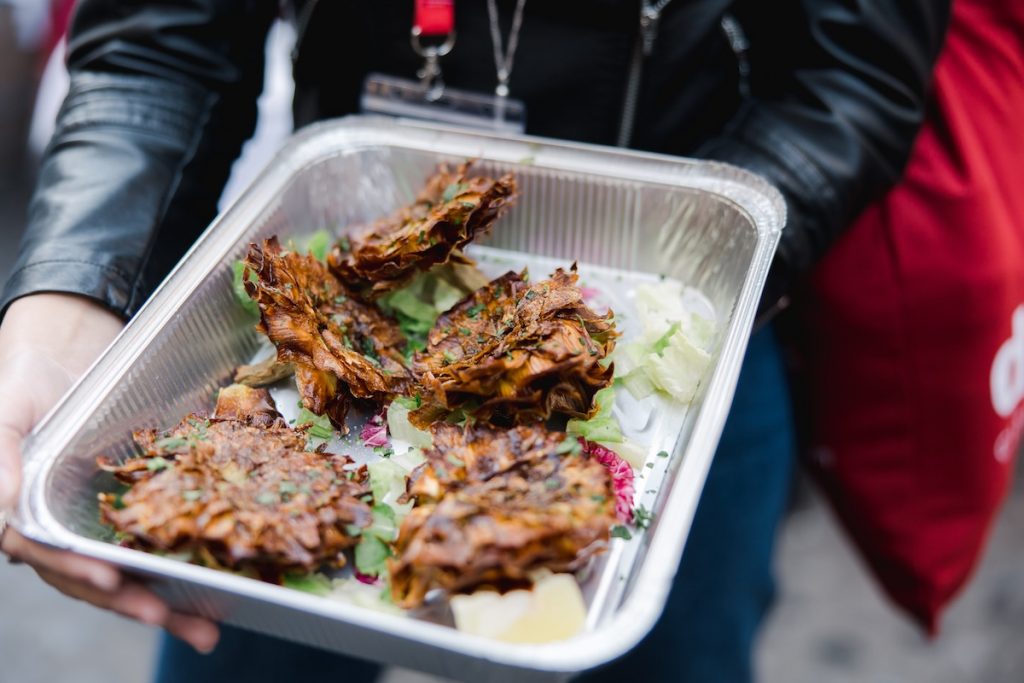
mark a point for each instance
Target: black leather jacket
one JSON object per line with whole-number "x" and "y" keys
{"x": 163, "y": 95}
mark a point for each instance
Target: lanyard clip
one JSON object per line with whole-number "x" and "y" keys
{"x": 430, "y": 76}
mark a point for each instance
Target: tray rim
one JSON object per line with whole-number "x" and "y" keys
{"x": 642, "y": 605}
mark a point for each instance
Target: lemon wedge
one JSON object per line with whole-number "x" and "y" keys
{"x": 553, "y": 610}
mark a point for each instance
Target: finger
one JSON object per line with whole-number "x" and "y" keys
{"x": 10, "y": 467}
{"x": 131, "y": 599}
{"x": 200, "y": 633}
{"x": 135, "y": 601}
{"x": 75, "y": 567}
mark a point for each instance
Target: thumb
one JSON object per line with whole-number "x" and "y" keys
{"x": 10, "y": 467}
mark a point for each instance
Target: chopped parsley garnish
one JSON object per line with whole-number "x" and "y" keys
{"x": 619, "y": 531}
{"x": 530, "y": 295}
{"x": 662, "y": 454}
{"x": 383, "y": 451}
{"x": 267, "y": 498}
{"x": 475, "y": 310}
{"x": 344, "y": 244}
{"x": 193, "y": 495}
{"x": 449, "y": 358}
{"x": 465, "y": 331}
{"x": 642, "y": 517}
{"x": 552, "y": 483}
{"x": 320, "y": 429}
{"x": 287, "y": 488}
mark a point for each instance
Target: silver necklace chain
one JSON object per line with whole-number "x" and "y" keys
{"x": 650, "y": 14}
{"x": 504, "y": 59}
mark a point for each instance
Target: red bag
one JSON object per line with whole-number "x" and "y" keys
{"x": 914, "y": 330}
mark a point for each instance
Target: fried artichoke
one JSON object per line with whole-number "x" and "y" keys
{"x": 515, "y": 352}
{"x": 238, "y": 490}
{"x": 339, "y": 345}
{"x": 495, "y": 506}
{"x": 449, "y": 212}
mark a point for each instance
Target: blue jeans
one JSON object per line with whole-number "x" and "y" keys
{"x": 721, "y": 593}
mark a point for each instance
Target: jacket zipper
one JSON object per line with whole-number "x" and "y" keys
{"x": 650, "y": 14}
{"x": 737, "y": 38}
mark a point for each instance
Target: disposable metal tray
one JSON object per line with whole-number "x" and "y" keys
{"x": 709, "y": 225}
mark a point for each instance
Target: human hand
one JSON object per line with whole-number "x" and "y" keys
{"x": 46, "y": 342}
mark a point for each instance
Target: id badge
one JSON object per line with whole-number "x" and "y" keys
{"x": 393, "y": 96}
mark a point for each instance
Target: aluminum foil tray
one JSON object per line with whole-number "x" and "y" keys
{"x": 711, "y": 226}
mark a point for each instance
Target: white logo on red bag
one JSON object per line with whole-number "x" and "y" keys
{"x": 1007, "y": 386}
{"x": 1007, "y": 377}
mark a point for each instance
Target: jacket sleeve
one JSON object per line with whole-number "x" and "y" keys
{"x": 162, "y": 97}
{"x": 833, "y": 112}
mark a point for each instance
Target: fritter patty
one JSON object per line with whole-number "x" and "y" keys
{"x": 340, "y": 346}
{"x": 238, "y": 490}
{"x": 495, "y": 507}
{"x": 516, "y": 352}
{"x": 449, "y": 212}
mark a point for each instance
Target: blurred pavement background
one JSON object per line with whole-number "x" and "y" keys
{"x": 830, "y": 624}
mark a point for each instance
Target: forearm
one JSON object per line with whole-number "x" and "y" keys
{"x": 72, "y": 330}
{"x": 835, "y": 110}
{"x": 159, "y": 106}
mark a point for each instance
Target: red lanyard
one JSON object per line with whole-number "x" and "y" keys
{"x": 434, "y": 17}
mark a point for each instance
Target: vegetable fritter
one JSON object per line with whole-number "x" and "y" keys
{"x": 449, "y": 212}
{"x": 340, "y": 346}
{"x": 238, "y": 490}
{"x": 515, "y": 352}
{"x": 495, "y": 506}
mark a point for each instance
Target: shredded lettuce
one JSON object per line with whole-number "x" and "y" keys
{"x": 385, "y": 525}
{"x": 371, "y": 555}
{"x": 402, "y": 430}
{"x": 631, "y": 452}
{"x": 316, "y": 244}
{"x": 409, "y": 304}
{"x": 314, "y": 583}
{"x": 410, "y": 459}
{"x": 358, "y": 593}
{"x": 674, "y": 351}
{"x": 417, "y": 306}
{"x": 445, "y": 295}
{"x": 373, "y": 550}
{"x": 320, "y": 428}
{"x": 387, "y": 481}
{"x": 603, "y": 427}
{"x": 238, "y": 285}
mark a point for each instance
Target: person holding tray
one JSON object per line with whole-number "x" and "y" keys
{"x": 821, "y": 98}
